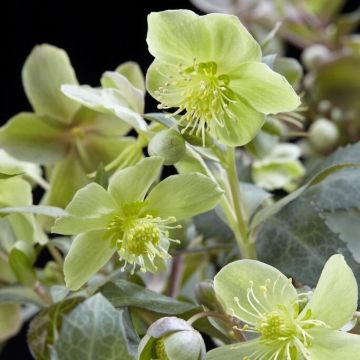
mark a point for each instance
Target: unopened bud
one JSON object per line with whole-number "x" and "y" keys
{"x": 168, "y": 144}
{"x": 324, "y": 135}
{"x": 315, "y": 55}
{"x": 205, "y": 295}
{"x": 171, "y": 338}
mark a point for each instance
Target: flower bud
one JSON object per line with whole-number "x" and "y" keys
{"x": 171, "y": 338}
{"x": 324, "y": 135}
{"x": 168, "y": 144}
{"x": 315, "y": 55}
{"x": 205, "y": 295}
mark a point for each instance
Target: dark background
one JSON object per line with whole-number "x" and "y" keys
{"x": 97, "y": 36}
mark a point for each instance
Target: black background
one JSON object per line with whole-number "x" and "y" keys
{"x": 97, "y": 35}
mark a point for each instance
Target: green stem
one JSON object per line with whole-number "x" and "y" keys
{"x": 240, "y": 227}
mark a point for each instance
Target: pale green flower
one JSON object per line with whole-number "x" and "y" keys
{"x": 281, "y": 169}
{"x": 130, "y": 220}
{"x": 209, "y": 68}
{"x": 266, "y": 301}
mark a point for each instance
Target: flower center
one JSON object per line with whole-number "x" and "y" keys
{"x": 137, "y": 236}
{"x": 202, "y": 95}
{"x": 272, "y": 326}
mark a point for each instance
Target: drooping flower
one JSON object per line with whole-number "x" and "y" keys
{"x": 263, "y": 299}
{"x": 281, "y": 169}
{"x": 69, "y": 139}
{"x": 130, "y": 221}
{"x": 209, "y": 69}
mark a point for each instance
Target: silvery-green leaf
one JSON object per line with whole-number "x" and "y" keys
{"x": 95, "y": 330}
{"x": 124, "y": 293}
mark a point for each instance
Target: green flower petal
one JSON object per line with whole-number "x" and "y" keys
{"x": 91, "y": 201}
{"x": 248, "y": 349}
{"x": 133, "y": 95}
{"x": 334, "y": 345}
{"x": 265, "y": 90}
{"x": 66, "y": 178}
{"x": 45, "y": 70}
{"x": 15, "y": 191}
{"x": 10, "y": 320}
{"x": 179, "y": 36}
{"x": 131, "y": 70}
{"x": 242, "y": 128}
{"x": 90, "y": 209}
{"x": 183, "y": 196}
{"x": 91, "y": 121}
{"x": 174, "y": 36}
{"x": 236, "y": 279}
{"x": 132, "y": 184}
{"x": 88, "y": 253}
{"x": 336, "y": 294}
{"x": 30, "y": 137}
{"x": 157, "y": 76}
{"x": 108, "y": 100}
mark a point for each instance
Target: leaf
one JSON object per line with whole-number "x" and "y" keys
{"x": 271, "y": 210}
{"x": 124, "y": 293}
{"x": 19, "y": 295}
{"x": 347, "y": 155}
{"x": 298, "y": 242}
{"x": 101, "y": 176}
{"x": 51, "y": 211}
{"x": 3, "y": 175}
{"x": 347, "y": 225}
{"x": 45, "y": 326}
{"x": 95, "y": 330}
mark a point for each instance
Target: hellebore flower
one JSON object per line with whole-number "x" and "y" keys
{"x": 280, "y": 169}
{"x": 209, "y": 68}
{"x": 127, "y": 220}
{"x": 69, "y": 139}
{"x": 266, "y": 301}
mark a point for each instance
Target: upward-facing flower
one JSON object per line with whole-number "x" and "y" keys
{"x": 130, "y": 221}
{"x": 262, "y": 298}
{"x": 209, "y": 69}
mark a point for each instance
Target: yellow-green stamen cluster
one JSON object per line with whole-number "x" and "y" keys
{"x": 282, "y": 328}
{"x": 203, "y": 97}
{"x": 137, "y": 236}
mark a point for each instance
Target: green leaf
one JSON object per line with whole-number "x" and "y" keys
{"x": 35, "y": 138}
{"x": 124, "y": 293}
{"x": 4, "y": 175}
{"x": 348, "y": 155}
{"x": 101, "y": 176}
{"x": 45, "y": 327}
{"x": 298, "y": 242}
{"x": 184, "y": 196}
{"x": 19, "y": 295}
{"x": 94, "y": 330}
{"x": 44, "y": 71}
{"x": 10, "y": 320}
{"x": 346, "y": 223}
{"x": 88, "y": 253}
{"x": 324, "y": 9}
